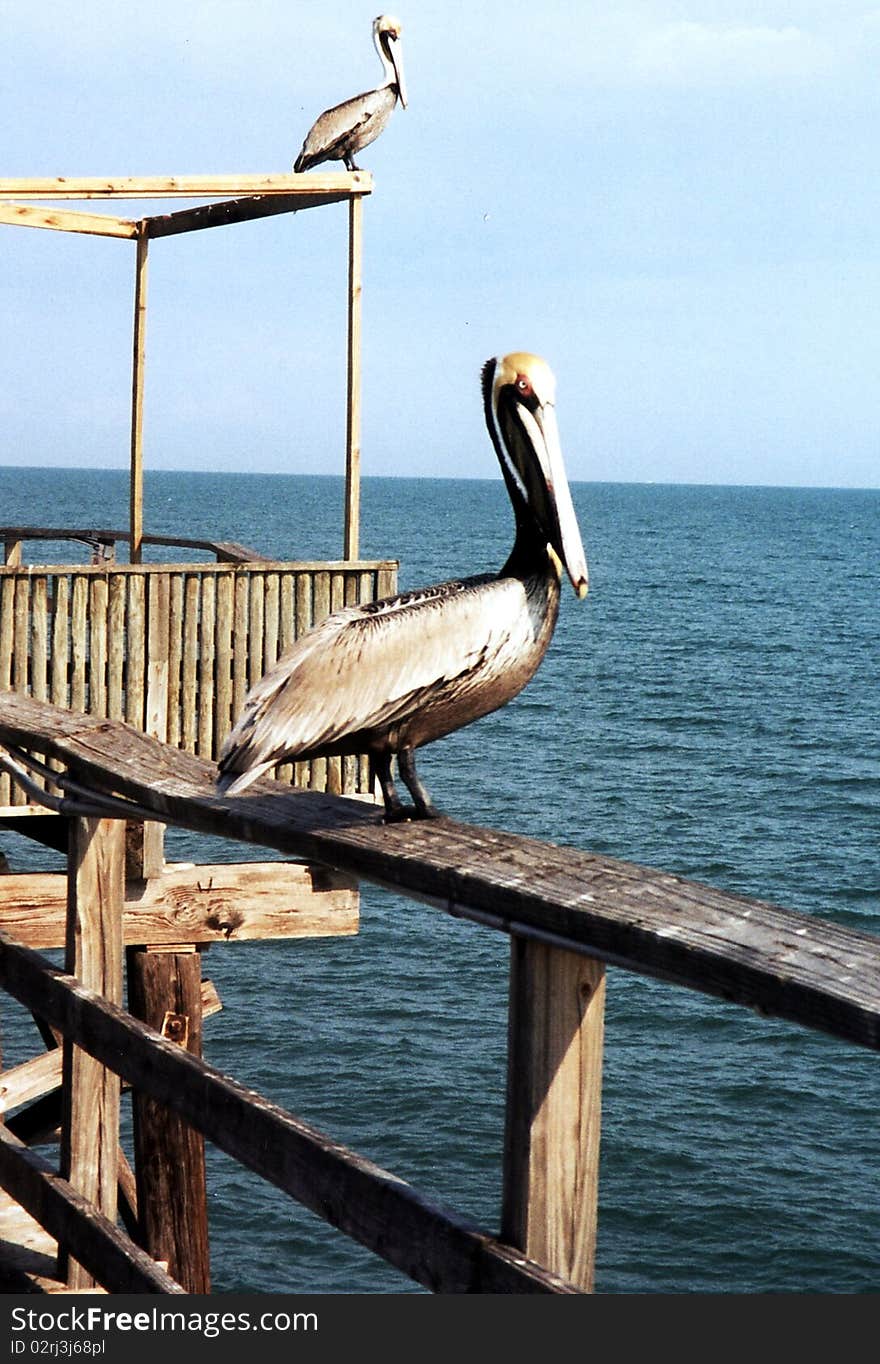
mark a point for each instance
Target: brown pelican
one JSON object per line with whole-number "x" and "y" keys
{"x": 386, "y": 677}
{"x": 354, "y": 124}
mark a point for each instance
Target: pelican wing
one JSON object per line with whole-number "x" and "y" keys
{"x": 366, "y": 667}
{"x": 333, "y": 131}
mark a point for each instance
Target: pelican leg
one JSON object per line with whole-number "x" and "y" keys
{"x": 349, "y": 162}
{"x": 394, "y": 809}
{"x": 425, "y": 807}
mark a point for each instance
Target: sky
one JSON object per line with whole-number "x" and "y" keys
{"x": 676, "y": 203}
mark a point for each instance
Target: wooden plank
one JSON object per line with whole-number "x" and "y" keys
{"x": 223, "y": 902}
{"x": 240, "y": 666}
{"x": 353, "y": 383}
{"x": 97, "y": 668}
{"x": 138, "y": 353}
{"x": 553, "y": 1115}
{"x": 116, "y": 632}
{"x": 30, "y": 1080}
{"x": 151, "y": 832}
{"x": 78, "y": 640}
{"x": 60, "y": 688}
{"x": 303, "y": 618}
{"x": 21, "y": 634}
{"x": 206, "y": 668}
{"x": 745, "y": 951}
{"x": 172, "y": 1195}
{"x": 67, "y": 220}
{"x": 93, "y": 954}
{"x": 12, "y": 551}
{"x": 39, "y": 639}
{"x": 223, "y": 660}
{"x": 106, "y": 1252}
{"x": 432, "y": 1243}
{"x": 235, "y": 211}
{"x": 135, "y": 650}
{"x": 256, "y": 615}
{"x": 184, "y": 186}
{"x": 271, "y": 624}
{"x": 189, "y": 687}
{"x": 175, "y": 657}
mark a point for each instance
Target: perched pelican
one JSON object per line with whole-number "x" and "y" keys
{"x": 386, "y": 677}
{"x": 354, "y": 124}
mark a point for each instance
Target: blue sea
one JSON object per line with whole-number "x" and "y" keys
{"x": 711, "y": 708}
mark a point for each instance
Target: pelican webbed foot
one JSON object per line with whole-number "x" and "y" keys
{"x": 424, "y": 806}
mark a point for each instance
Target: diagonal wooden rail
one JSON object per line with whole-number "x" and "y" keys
{"x": 778, "y": 961}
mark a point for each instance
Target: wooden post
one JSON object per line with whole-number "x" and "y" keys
{"x": 13, "y": 553}
{"x": 351, "y": 548}
{"x": 164, "y": 990}
{"x": 551, "y": 1144}
{"x": 90, "y": 1114}
{"x": 136, "y": 490}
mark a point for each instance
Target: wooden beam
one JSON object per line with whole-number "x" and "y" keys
{"x": 554, "y": 1083}
{"x": 229, "y": 211}
{"x": 778, "y": 961}
{"x": 69, "y": 220}
{"x": 109, "y": 1255}
{"x": 433, "y": 1244}
{"x": 30, "y": 1080}
{"x": 185, "y": 186}
{"x": 90, "y": 1122}
{"x": 136, "y": 483}
{"x": 353, "y": 387}
{"x": 172, "y": 1199}
{"x": 223, "y": 902}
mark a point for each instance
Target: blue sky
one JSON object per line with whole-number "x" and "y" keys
{"x": 677, "y": 204}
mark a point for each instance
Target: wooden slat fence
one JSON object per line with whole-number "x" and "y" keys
{"x": 172, "y": 649}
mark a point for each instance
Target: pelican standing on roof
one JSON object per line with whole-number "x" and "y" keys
{"x": 388, "y": 676}
{"x": 354, "y": 124}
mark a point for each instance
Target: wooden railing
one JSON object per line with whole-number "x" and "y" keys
{"x": 568, "y": 914}
{"x": 171, "y": 648}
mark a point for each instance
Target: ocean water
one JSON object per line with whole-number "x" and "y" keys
{"x": 711, "y": 708}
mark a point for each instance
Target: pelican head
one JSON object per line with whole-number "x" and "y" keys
{"x": 386, "y": 36}
{"x": 519, "y": 393}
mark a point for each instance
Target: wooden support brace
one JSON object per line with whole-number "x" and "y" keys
{"x": 90, "y": 1116}
{"x": 551, "y": 1148}
{"x": 164, "y": 990}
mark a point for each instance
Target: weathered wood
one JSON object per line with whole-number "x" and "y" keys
{"x": 69, "y": 220}
{"x": 172, "y": 1195}
{"x": 226, "y": 551}
{"x": 299, "y": 187}
{"x": 780, "y": 962}
{"x": 136, "y": 482}
{"x": 30, "y": 1080}
{"x": 435, "y": 1245}
{"x": 206, "y": 674}
{"x": 109, "y": 1256}
{"x": 234, "y": 211}
{"x": 553, "y": 1115}
{"x": 226, "y": 902}
{"x": 353, "y": 383}
{"x": 90, "y": 1124}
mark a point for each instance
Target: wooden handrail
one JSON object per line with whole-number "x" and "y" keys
{"x": 226, "y": 551}
{"x": 782, "y": 963}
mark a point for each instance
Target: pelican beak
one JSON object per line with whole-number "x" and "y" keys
{"x": 560, "y": 522}
{"x": 397, "y": 62}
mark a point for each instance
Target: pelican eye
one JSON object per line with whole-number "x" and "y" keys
{"x": 523, "y": 386}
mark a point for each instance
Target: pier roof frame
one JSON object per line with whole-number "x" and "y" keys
{"x": 233, "y": 199}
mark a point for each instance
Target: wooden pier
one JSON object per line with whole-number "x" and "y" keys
{"x": 568, "y": 913}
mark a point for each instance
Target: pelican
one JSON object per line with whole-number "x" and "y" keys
{"x": 354, "y": 124}
{"x": 389, "y": 676}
